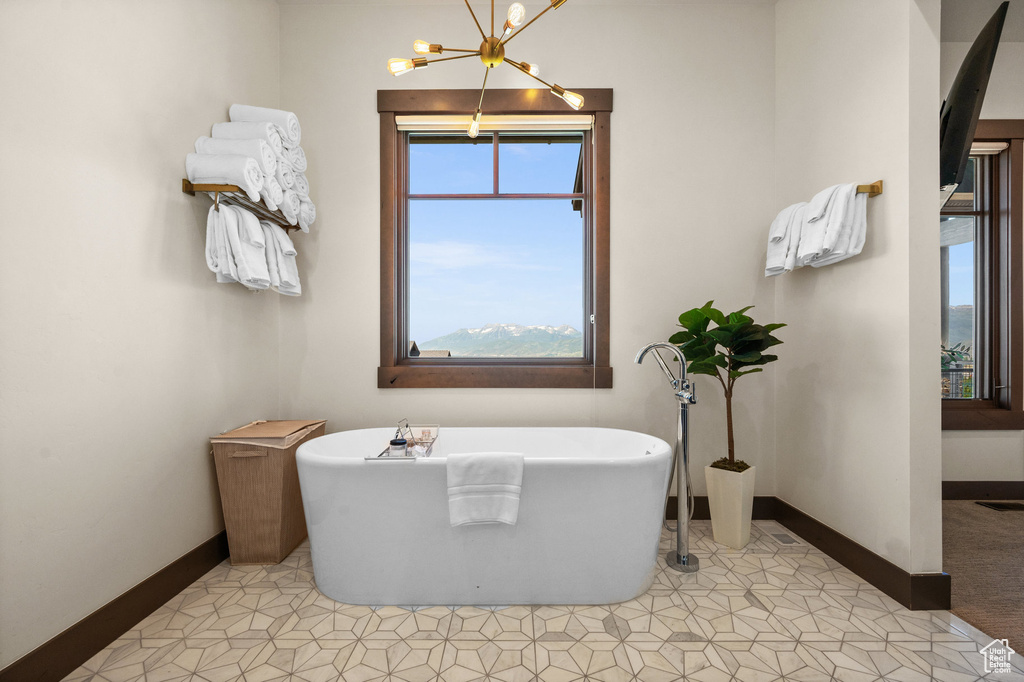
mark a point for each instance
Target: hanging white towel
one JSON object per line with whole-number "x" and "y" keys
{"x": 272, "y": 193}
{"x": 285, "y": 120}
{"x": 296, "y": 157}
{"x": 778, "y": 240}
{"x": 484, "y": 487}
{"x": 225, "y": 169}
{"x": 840, "y": 216}
{"x": 307, "y": 214}
{"x": 290, "y": 205}
{"x": 284, "y": 253}
{"x": 812, "y": 232}
{"x": 796, "y": 227}
{"x": 301, "y": 185}
{"x": 248, "y": 130}
{"x": 273, "y": 267}
{"x": 254, "y": 148}
{"x": 218, "y": 254}
{"x": 851, "y": 240}
{"x": 250, "y": 260}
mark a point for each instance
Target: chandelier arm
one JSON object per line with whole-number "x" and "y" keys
{"x": 519, "y": 65}
{"x": 492, "y": 18}
{"x": 473, "y": 14}
{"x": 455, "y": 49}
{"x": 480, "y": 104}
{"x": 526, "y": 25}
{"x": 448, "y": 59}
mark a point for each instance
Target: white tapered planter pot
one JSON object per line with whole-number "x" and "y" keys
{"x": 731, "y": 498}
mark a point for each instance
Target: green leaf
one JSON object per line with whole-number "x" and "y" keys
{"x": 680, "y": 338}
{"x": 775, "y": 325}
{"x": 736, "y": 373}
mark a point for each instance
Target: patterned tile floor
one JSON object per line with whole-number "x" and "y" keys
{"x": 767, "y": 612}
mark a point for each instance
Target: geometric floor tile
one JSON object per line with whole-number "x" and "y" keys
{"x": 771, "y": 611}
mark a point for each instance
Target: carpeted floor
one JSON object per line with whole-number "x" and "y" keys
{"x": 983, "y": 552}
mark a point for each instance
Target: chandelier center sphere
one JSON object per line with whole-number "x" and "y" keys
{"x": 492, "y": 52}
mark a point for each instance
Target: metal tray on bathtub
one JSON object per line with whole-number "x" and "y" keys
{"x": 421, "y": 439}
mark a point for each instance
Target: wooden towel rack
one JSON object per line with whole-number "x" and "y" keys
{"x": 233, "y": 194}
{"x": 872, "y": 190}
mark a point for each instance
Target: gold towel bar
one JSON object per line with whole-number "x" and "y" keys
{"x": 872, "y": 190}
{"x": 233, "y": 194}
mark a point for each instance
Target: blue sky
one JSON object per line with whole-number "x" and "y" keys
{"x": 961, "y": 274}
{"x": 475, "y": 262}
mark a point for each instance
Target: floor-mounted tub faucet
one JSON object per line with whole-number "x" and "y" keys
{"x": 680, "y": 559}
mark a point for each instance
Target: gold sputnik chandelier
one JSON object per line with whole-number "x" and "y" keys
{"x": 491, "y": 53}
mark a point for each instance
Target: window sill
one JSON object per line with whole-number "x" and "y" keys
{"x": 494, "y": 376}
{"x": 980, "y": 416}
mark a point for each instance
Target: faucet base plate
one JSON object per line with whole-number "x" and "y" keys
{"x": 687, "y": 564}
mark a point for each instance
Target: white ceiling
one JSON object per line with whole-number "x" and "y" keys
{"x": 962, "y": 20}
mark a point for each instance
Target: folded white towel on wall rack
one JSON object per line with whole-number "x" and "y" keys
{"x": 795, "y": 231}
{"x": 249, "y": 130}
{"x": 281, "y": 257}
{"x": 851, "y": 239}
{"x": 250, "y": 259}
{"x": 226, "y": 169}
{"x": 218, "y": 253}
{"x": 812, "y": 232}
{"x": 779, "y": 240}
{"x": 255, "y": 148}
{"x": 285, "y": 120}
{"x": 484, "y": 487}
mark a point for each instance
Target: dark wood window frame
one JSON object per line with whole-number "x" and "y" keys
{"x": 397, "y": 370}
{"x": 1004, "y": 374}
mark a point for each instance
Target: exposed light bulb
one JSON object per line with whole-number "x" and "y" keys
{"x": 574, "y": 100}
{"x": 397, "y": 66}
{"x": 516, "y": 13}
{"x": 474, "y": 127}
{"x": 532, "y": 69}
{"x": 421, "y": 47}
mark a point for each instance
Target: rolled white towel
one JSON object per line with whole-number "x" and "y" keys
{"x": 296, "y": 157}
{"x": 290, "y": 206}
{"x": 226, "y": 169}
{"x": 301, "y": 185}
{"x": 273, "y": 268}
{"x": 285, "y": 120}
{"x": 272, "y": 193}
{"x": 285, "y": 175}
{"x": 778, "y": 240}
{"x": 256, "y": 148}
{"x": 250, "y": 260}
{"x": 249, "y": 130}
{"x": 307, "y": 214}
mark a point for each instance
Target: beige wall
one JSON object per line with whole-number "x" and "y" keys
{"x": 857, "y": 409}
{"x": 119, "y": 355}
{"x": 986, "y": 455}
{"x": 691, "y": 200}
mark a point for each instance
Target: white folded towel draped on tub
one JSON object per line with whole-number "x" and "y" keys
{"x": 484, "y": 487}
{"x": 255, "y": 148}
{"x": 285, "y": 120}
{"x": 249, "y": 130}
{"x": 226, "y": 169}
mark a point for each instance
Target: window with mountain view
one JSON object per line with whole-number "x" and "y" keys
{"x": 496, "y": 245}
{"x": 494, "y": 249}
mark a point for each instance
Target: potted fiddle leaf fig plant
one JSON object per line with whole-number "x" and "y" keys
{"x": 732, "y": 348}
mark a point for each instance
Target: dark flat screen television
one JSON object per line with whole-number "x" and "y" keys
{"x": 959, "y": 115}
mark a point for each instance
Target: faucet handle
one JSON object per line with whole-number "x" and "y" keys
{"x": 688, "y": 392}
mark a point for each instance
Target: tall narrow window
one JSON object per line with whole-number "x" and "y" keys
{"x": 494, "y": 249}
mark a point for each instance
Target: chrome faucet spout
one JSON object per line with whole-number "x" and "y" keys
{"x": 676, "y": 382}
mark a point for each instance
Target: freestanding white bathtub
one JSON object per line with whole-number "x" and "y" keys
{"x": 590, "y": 516}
